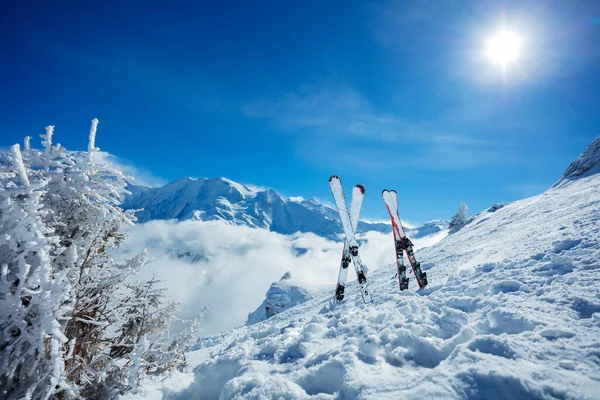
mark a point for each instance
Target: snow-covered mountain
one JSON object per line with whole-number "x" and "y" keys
{"x": 223, "y": 199}
{"x": 512, "y": 312}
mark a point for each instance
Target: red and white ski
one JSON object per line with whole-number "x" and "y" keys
{"x": 402, "y": 243}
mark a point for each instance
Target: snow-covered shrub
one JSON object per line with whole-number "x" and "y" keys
{"x": 32, "y": 293}
{"x": 73, "y": 323}
{"x": 144, "y": 330}
{"x": 459, "y": 219}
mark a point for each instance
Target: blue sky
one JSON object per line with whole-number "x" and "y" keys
{"x": 284, "y": 94}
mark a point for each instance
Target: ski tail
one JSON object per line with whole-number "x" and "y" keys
{"x": 343, "y": 274}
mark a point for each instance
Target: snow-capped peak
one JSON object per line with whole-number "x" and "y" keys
{"x": 245, "y": 190}
{"x": 239, "y": 204}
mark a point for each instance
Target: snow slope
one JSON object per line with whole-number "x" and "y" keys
{"x": 512, "y": 311}
{"x": 223, "y": 199}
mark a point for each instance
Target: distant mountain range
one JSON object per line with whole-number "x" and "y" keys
{"x": 223, "y": 199}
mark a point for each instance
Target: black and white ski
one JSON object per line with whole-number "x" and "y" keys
{"x": 335, "y": 184}
{"x": 402, "y": 243}
{"x": 358, "y": 193}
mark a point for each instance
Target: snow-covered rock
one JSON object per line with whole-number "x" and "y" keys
{"x": 512, "y": 311}
{"x": 223, "y": 199}
{"x": 428, "y": 229}
{"x": 283, "y": 295}
{"x": 588, "y": 163}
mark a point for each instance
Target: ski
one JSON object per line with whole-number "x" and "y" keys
{"x": 401, "y": 268}
{"x": 335, "y": 184}
{"x": 358, "y": 193}
{"x": 402, "y": 243}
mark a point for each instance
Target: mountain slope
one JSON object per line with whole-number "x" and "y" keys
{"x": 512, "y": 311}
{"x": 223, "y": 199}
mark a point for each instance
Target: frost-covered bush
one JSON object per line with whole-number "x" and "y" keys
{"x": 33, "y": 296}
{"x": 459, "y": 219}
{"x": 72, "y": 323}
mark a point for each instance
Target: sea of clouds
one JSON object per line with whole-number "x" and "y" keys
{"x": 229, "y": 268}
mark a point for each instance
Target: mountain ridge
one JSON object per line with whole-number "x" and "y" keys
{"x": 239, "y": 204}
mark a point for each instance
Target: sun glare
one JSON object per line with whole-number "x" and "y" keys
{"x": 504, "y": 48}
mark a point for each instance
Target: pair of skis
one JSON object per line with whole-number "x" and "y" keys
{"x": 349, "y": 224}
{"x": 402, "y": 243}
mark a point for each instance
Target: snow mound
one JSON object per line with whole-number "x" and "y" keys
{"x": 283, "y": 295}
{"x": 512, "y": 311}
{"x": 588, "y": 163}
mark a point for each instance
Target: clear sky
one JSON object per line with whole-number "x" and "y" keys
{"x": 285, "y": 93}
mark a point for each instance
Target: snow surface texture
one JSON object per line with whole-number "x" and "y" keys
{"x": 223, "y": 199}
{"x": 512, "y": 311}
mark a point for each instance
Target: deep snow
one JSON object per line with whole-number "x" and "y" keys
{"x": 512, "y": 311}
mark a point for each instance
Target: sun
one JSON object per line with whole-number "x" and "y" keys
{"x": 504, "y": 48}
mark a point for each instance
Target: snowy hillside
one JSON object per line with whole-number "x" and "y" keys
{"x": 512, "y": 311}
{"x": 223, "y": 199}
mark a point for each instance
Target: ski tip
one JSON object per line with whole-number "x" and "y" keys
{"x": 393, "y": 191}
{"x": 383, "y": 191}
{"x": 361, "y": 188}
{"x": 332, "y": 177}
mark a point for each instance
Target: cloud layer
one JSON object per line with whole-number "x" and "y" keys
{"x": 141, "y": 176}
{"x": 231, "y": 267}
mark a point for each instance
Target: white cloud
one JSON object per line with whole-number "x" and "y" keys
{"x": 296, "y": 199}
{"x": 235, "y": 265}
{"x": 351, "y": 131}
{"x": 331, "y": 109}
{"x": 141, "y": 176}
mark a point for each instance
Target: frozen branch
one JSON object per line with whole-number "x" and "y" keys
{"x": 92, "y": 143}
{"x": 19, "y": 164}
